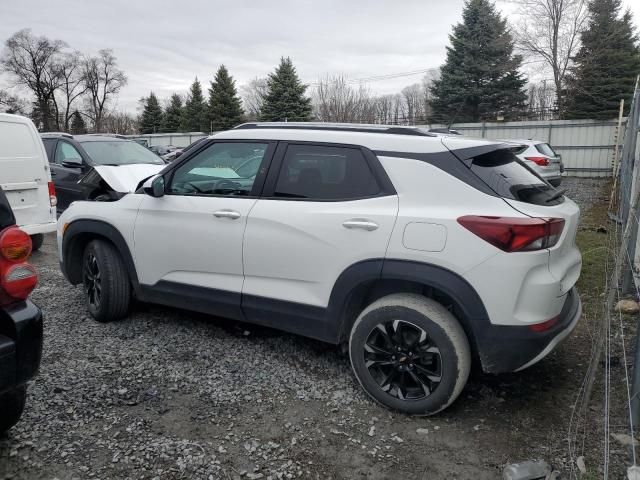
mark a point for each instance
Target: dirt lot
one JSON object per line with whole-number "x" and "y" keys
{"x": 170, "y": 394}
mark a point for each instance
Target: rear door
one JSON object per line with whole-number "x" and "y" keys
{"x": 324, "y": 208}
{"x": 24, "y": 172}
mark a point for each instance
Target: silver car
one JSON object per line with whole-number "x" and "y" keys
{"x": 541, "y": 158}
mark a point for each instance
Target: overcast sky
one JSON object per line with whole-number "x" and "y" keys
{"x": 162, "y": 45}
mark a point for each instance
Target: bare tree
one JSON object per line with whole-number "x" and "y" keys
{"x": 548, "y": 30}
{"x": 10, "y": 103}
{"x": 541, "y": 100}
{"x": 253, "y": 94}
{"x": 414, "y": 99}
{"x": 103, "y": 80}
{"x": 335, "y": 100}
{"x": 33, "y": 63}
{"x": 120, "y": 122}
{"x": 72, "y": 85}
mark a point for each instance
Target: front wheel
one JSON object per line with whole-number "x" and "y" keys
{"x": 36, "y": 241}
{"x": 106, "y": 282}
{"x": 12, "y": 405}
{"x": 410, "y": 354}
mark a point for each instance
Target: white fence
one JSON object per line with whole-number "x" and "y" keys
{"x": 587, "y": 146}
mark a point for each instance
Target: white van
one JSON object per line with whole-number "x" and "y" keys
{"x": 25, "y": 177}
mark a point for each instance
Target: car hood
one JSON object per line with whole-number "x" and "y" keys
{"x": 125, "y": 178}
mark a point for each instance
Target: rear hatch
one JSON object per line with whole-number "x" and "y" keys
{"x": 523, "y": 189}
{"x": 24, "y": 174}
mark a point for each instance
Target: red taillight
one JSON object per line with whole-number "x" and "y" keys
{"x": 515, "y": 234}
{"x": 15, "y": 244}
{"x": 540, "y": 161}
{"x": 544, "y": 326}
{"x": 53, "y": 200}
{"x": 17, "y": 278}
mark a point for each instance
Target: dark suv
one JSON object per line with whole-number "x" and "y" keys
{"x": 20, "y": 319}
{"x": 71, "y": 158}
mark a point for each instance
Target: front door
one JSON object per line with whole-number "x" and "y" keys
{"x": 67, "y": 169}
{"x": 192, "y": 236}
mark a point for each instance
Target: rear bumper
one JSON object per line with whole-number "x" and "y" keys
{"x": 20, "y": 344}
{"x": 33, "y": 229}
{"x": 511, "y": 349}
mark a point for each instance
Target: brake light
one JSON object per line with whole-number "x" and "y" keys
{"x": 540, "y": 161}
{"x": 53, "y": 200}
{"x": 515, "y": 234}
{"x": 17, "y": 278}
{"x": 544, "y": 326}
{"x": 15, "y": 245}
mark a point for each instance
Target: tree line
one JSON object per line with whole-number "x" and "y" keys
{"x": 589, "y": 48}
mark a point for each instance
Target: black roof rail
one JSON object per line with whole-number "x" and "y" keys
{"x": 56, "y": 134}
{"x": 341, "y": 127}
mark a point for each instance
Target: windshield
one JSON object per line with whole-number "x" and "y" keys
{"x": 119, "y": 153}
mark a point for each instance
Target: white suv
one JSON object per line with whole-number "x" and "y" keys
{"x": 422, "y": 253}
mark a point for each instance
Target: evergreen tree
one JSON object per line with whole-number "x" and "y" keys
{"x": 78, "y": 125}
{"x": 606, "y": 65}
{"x": 285, "y": 98}
{"x": 151, "y": 120}
{"x": 480, "y": 77}
{"x": 173, "y": 115}
{"x": 225, "y": 107}
{"x": 195, "y": 110}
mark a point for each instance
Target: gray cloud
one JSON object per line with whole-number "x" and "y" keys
{"x": 163, "y": 45}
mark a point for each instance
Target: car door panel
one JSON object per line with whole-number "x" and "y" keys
{"x": 66, "y": 178}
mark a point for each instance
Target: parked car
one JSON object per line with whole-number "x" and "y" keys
{"x": 421, "y": 253}
{"x": 541, "y": 158}
{"x": 96, "y": 167}
{"x": 162, "y": 150}
{"x": 26, "y": 178}
{"x": 170, "y": 157}
{"x": 20, "y": 319}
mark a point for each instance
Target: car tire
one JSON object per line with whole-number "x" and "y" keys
{"x": 12, "y": 405}
{"x": 410, "y": 354}
{"x": 106, "y": 282}
{"x": 36, "y": 241}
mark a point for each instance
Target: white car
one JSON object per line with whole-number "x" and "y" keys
{"x": 541, "y": 158}
{"x": 422, "y": 253}
{"x": 25, "y": 177}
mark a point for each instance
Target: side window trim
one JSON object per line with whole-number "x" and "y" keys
{"x": 376, "y": 168}
{"x": 258, "y": 183}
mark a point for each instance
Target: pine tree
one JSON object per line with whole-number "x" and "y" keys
{"x": 195, "y": 110}
{"x": 480, "y": 77}
{"x": 606, "y": 65}
{"x": 285, "y": 99}
{"x": 151, "y": 119}
{"x": 78, "y": 125}
{"x": 173, "y": 114}
{"x": 225, "y": 107}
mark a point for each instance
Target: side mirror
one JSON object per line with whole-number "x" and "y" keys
{"x": 154, "y": 186}
{"x": 72, "y": 162}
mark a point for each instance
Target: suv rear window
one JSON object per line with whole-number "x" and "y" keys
{"x": 510, "y": 178}
{"x": 545, "y": 149}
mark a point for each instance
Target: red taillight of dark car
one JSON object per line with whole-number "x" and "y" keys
{"x": 515, "y": 234}
{"x": 17, "y": 278}
{"x": 540, "y": 161}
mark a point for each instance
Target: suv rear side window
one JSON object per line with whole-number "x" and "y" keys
{"x": 545, "y": 149}
{"x": 510, "y": 178}
{"x": 320, "y": 172}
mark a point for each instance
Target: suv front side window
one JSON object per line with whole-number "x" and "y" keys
{"x": 221, "y": 169}
{"x": 65, "y": 151}
{"x": 318, "y": 172}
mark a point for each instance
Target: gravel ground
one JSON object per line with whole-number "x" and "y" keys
{"x": 170, "y": 394}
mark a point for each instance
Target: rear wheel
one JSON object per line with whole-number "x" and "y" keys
{"x": 106, "y": 282}
{"x": 12, "y": 405}
{"x": 410, "y": 354}
{"x": 36, "y": 241}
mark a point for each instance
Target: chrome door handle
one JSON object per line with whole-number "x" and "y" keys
{"x": 361, "y": 223}
{"x": 232, "y": 214}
